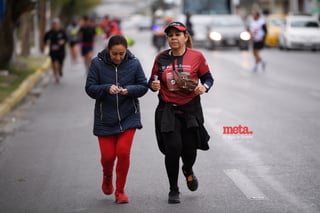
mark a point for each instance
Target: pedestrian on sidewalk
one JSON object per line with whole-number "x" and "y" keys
{"x": 57, "y": 38}
{"x": 87, "y": 34}
{"x": 189, "y": 24}
{"x": 258, "y": 30}
{"x": 179, "y": 121}
{"x": 116, "y": 80}
{"x": 73, "y": 38}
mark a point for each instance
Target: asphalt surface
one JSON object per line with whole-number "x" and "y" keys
{"x": 49, "y": 160}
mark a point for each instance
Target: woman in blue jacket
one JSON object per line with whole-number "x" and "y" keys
{"x": 116, "y": 80}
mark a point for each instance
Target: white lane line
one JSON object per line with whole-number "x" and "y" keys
{"x": 247, "y": 187}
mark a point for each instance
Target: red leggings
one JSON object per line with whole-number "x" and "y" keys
{"x": 117, "y": 146}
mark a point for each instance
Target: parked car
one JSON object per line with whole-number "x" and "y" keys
{"x": 199, "y": 26}
{"x": 139, "y": 22}
{"x": 300, "y": 32}
{"x": 227, "y": 30}
{"x": 274, "y": 24}
{"x": 145, "y": 23}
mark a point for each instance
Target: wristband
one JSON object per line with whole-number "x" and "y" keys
{"x": 206, "y": 86}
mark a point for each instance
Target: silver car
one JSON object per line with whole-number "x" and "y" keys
{"x": 227, "y": 30}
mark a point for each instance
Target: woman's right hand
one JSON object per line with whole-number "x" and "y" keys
{"x": 155, "y": 85}
{"x": 114, "y": 90}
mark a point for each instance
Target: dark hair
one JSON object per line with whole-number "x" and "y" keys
{"x": 85, "y": 17}
{"x": 116, "y": 40}
{"x": 256, "y": 13}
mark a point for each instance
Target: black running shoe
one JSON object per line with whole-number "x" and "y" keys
{"x": 174, "y": 197}
{"x": 192, "y": 181}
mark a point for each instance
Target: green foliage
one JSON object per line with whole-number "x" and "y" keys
{"x": 130, "y": 41}
{"x": 67, "y": 9}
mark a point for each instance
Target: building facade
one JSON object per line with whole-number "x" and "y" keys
{"x": 245, "y": 7}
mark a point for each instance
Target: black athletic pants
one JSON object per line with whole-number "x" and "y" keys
{"x": 179, "y": 143}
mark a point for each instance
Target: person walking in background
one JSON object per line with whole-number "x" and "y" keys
{"x": 116, "y": 80}
{"x": 72, "y": 33}
{"x": 179, "y": 121}
{"x": 258, "y": 30}
{"x": 57, "y": 38}
{"x": 105, "y": 26}
{"x": 111, "y": 27}
{"x": 115, "y": 27}
{"x": 189, "y": 24}
{"x": 87, "y": 35}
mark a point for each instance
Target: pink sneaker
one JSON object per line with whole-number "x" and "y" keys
{"x": 121, "y": 198}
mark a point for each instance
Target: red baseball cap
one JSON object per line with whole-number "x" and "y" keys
{"x": 178, "y": 25}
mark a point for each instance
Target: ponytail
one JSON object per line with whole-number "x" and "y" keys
{"x": 189, "y": 41}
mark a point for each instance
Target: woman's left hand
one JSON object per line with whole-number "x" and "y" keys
{"x": 200, "y": 89}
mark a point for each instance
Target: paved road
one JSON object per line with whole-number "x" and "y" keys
{"x": 51, "y": 161}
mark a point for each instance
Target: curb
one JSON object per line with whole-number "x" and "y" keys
{"x": 23, "y": 89}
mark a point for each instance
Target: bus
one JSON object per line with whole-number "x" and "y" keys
{"x": 202, "y": 12}
{"x": 206, "y": 7}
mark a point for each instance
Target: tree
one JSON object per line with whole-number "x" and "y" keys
{"x": 26, "y": 25}
{"x": 43, "y": 6}
{"x": 65, "y": 9}
{"x": 13, "y": 10}
{"x": 68, "y": 9}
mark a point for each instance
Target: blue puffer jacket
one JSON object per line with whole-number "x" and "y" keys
{"x": 115, "y": 113}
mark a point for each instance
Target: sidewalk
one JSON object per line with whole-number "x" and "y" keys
{"x": 23, "y": 89}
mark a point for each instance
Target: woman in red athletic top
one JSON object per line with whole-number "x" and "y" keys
{"x": 179, "y": 118}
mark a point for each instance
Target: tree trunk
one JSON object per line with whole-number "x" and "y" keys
{"x": 26, "y": 20}
{"x": 6, "y": 38}
{"x": 42, "y": 8}
{"x": 13, "y": 10}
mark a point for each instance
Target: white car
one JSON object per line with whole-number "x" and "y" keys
{"x": 300, "y": 32}
{"x": 227, "y": 30}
